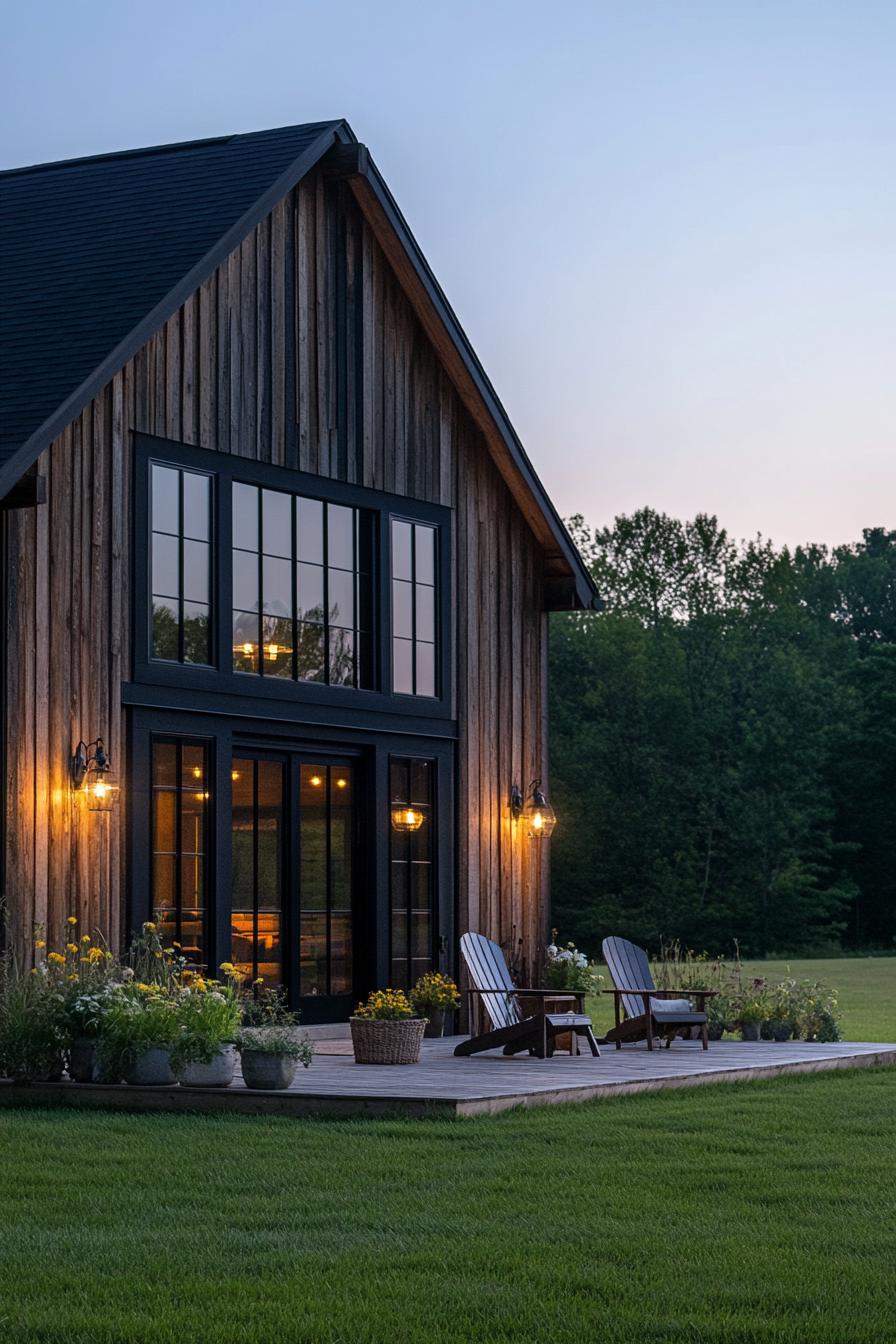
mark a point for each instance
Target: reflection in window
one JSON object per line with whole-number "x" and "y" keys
{"x": 412, "y": 873}
{"x": 413, "y": 608}
{"x": 180, "y": 522}
{"x": 256, "y": 872}
{"x": 302, "y": 588}
{"x": 325, "y": 879}
{"x": 180, "y": 797}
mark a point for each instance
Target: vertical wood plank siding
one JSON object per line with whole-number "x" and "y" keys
{"x": 301, "y": 350}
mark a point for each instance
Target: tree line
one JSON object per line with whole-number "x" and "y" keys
{"x": 724, "y": 741}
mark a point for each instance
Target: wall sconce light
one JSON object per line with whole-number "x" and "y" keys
{"x": 406, "y": 818}
{"x": 535, "y": 810}
{"x": 90, "y": 768}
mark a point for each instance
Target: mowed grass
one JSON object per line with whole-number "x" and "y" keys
{"x": 759, "y": 1213}
{"x": 866, "y": 992}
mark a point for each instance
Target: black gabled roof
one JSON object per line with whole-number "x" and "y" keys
{"x": 90, "y": 247}
{"x": 97, "y": 253}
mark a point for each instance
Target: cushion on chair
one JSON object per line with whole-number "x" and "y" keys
{"x": 670, "y": 1007}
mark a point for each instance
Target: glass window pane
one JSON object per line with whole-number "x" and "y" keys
{"x": 426, "y": 669}
{"x": 277, "y": 587}
{"x": 245, "y": 516}
{"x": 425, "y": 550}
{"x": 245, "y": 580}
{"x": 402, "y": 609}
{"x": 340, "y": 954}
{"x": 277, "y": 523}
{"x": 402, "y": 667}
{"x": 311, "y": 662}
{"x": 276, "y": 638}
{"x": 310, "y": 579}
{"x": 165, "y": 628}
{"x": 270, "y": 821}
{"x": 165, "y": 504}
{"x": 341, "y": 598}
{"x": 340, "y": 536}
{"x": 399, "y": 885}
{"x": 342, "y": 658}
{"x": 197, "y": 633}
{"x": 402, "y": 537}
{"x": 310, "y": 530}
{"x": 197, "y": 492}
{"x": 421, "y": 783}
{"x": 426, "y": 612}
{"x": 246, "y": 639}
{"x": 196, "y": 574}
{"x": 165, "y": 565}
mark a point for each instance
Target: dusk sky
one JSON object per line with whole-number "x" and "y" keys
{"x": 669, "y": 229}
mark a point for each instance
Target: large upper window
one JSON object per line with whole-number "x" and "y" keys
{"x": 181, "y": 565}
{"x": 413, "y": 608}
{"x": 302, "y": 588}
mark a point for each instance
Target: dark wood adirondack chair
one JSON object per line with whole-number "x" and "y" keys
{"x": 637, "y": 995}
{"x": 511, "y": 1028}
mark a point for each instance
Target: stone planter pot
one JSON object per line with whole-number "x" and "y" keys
{"x": 715, "y": 1030}
{"x": 267, "y": 1072}
{"x": 783, "y": 1032}
{"x": 217, "y": 1073}
{"x": 152, "y": 1068}
{"x": 435, "y": 1023}
{"x": 82, "y": 1060}
{"x": 387, "y": 1042}
{"x": 48, "y": 1073}
{"x": 749, "y": 1031}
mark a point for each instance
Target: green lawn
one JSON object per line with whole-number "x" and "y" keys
{"x": 866, "y": 992}
{"x": 754, "y": 1214}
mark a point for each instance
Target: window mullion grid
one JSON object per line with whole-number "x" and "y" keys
{"x": 294, "y": 567}
{"x": 178, "y": 840}
{"x": 180, "y": 566}
{"x": 413, "y": 625}
{"x": 325, "y": 614}
{"x": 260, "y": 580}
{"x": 254, "y": 869}
{"x": 329, "y": 874}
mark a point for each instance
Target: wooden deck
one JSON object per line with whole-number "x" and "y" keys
{"x": 485, "y": 1084}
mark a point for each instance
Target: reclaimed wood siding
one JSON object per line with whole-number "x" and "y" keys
{"x": 301, "y": 350}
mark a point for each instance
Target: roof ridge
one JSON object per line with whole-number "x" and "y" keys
{"x": 143, "y": 150}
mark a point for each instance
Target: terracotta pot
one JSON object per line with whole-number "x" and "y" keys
{"x": 267, "y": 1072}
{"x": 151, "y": 1068}
{"x": 217, "y": 1073}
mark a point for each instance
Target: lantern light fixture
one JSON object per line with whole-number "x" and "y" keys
{"x": 90, "y": 769}
{"x": 534, "y": 809}
{"x": 406, "y": 818}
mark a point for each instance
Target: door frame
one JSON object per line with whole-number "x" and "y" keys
{"x": 226, "y": 736}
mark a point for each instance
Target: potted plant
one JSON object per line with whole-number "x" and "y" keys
{"x": 208, "y": 1017}
{"x": 270, "y": 1054}
{"x": 385, "y": 1029}
{"x": 32, "y": 1022}
{"x": 85, "y": 1014}
{"x": 568, "y": 970}
{"x": 434, "y": 997}
{"x": 753, "y": 1010}
{"x": 138, "y": 1033}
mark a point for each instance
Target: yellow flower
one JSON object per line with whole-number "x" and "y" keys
{"x": 85, "y": 937}
{"x": 226, "y": 966}
{"x": 259, "y": 981}
{"x": 96, "y": 954}
{"x": 40, "y": 942}
{"x": 56, "y": 959}
{"x": 72, "y": 977}
{"x": 72, "y": 919}
{"x": 71, "y": 947}
{"x": 149, "y": 927}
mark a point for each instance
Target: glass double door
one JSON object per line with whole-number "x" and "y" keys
{"x": 294, "y": 898}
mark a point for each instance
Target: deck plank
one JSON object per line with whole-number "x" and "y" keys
{"x": 482, "y": 1084}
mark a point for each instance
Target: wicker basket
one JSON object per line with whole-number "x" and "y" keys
{"x": 377, "y": 1042}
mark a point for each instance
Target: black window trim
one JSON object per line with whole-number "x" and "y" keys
{"x": 226, "y": 468}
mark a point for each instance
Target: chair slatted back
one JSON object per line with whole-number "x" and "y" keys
{"x": 630, "y": 969}
{"x": 488, "y": 970}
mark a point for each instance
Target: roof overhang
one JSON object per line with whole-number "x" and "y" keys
{"x": 568, "y": 584}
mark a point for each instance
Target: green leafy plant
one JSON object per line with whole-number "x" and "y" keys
{"x": 754, "y": 1004}
{"x": 386, "y": 1005}
{"x": 142, "y": 1016}
{"x": 434, "y": 993}
{"x": 276, "y": 1039}
{"x": 568, "y": 968}
{"x": 208, "y": 1016}
{"x": 267, "y": 1007}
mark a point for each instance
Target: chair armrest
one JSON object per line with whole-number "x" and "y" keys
{"x": 666, "y": 993}
{"x": 533, "y": 993}
{"x": 617, "y": 992}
